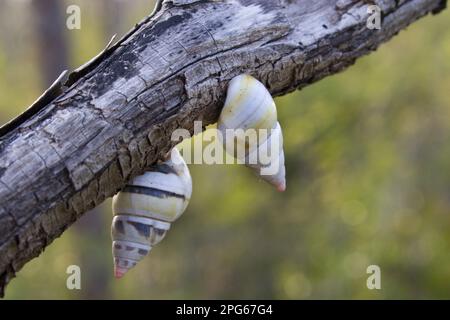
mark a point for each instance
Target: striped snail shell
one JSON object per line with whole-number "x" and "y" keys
{"x": 249, "y": 105}
{"x": 145, "y": 208}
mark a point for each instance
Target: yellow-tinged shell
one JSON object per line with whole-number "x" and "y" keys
{"x": 248, "y": 105}
{"x": 250, "y": 111}
{"x": 145, "y": 208}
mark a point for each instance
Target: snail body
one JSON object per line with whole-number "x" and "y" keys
{"x": 249, "y": 106}
{"x": 145, "y": 208}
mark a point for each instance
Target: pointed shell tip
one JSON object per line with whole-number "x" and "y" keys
{"x": 281, "y": 187}
{"x": 119, "y": 272}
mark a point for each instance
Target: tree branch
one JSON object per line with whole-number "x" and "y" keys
{"x": 115, "y": 117}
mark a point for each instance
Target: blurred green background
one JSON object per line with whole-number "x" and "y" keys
{"x": 368, "y": 158}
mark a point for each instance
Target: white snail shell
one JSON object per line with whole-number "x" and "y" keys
{"x": 145, "y": 208}
{"x": 249, "y": 105}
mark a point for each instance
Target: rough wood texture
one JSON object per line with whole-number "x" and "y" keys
{"x": 172, "y": 69}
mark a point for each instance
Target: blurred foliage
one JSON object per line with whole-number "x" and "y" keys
{"x": 368, "y": 183}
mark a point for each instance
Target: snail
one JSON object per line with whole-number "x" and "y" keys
{"x": 249, "y": 108}
{"x": 145, "y": 208}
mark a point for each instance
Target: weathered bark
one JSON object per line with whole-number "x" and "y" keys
{"x": 171, "y": 70}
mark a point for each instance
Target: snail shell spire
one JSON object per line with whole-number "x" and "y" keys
{"x": 248, "y": 122}
{"x": 145, "y": 208}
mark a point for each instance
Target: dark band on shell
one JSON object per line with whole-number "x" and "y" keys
{"x": 151, "y": 192}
